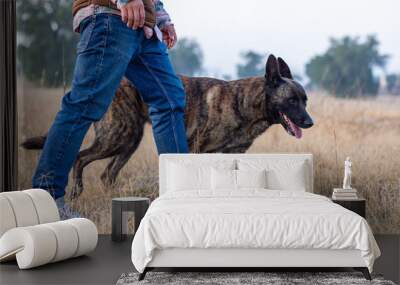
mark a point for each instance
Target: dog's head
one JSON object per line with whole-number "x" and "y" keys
{"x": 286, "y": 98}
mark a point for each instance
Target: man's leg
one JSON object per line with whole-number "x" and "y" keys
{"x": 104, "y": 51}
{"x": 152, "y": 74}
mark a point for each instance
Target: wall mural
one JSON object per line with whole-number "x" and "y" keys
{"x": 346, "y": 103}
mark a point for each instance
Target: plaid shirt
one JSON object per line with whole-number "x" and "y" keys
{"x": 162, "y": 16}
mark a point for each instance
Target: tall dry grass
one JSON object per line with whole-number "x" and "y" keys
{"x": 366, "y": 130}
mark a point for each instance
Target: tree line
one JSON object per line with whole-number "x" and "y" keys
{"x": 46, "y": 55}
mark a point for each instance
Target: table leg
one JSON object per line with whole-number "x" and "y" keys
{"x": 140, "y": 211}
{"x": 116, "y": 222}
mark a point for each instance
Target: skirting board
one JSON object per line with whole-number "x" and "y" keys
{"x": 179, "y": 257}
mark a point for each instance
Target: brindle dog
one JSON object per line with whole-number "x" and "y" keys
{"x": 221, "y": 116}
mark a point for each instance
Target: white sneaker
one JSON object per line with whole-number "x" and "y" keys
{"x": 65, "y": 211}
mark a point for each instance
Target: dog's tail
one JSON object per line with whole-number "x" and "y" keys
{"x": 34, "y": 143}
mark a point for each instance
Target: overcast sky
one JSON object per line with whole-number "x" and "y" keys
{"x": 294, "y": 30}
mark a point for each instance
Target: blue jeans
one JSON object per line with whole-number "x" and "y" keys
{"x": 107, "y": 51}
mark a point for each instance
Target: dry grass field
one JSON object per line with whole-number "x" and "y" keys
{"x": 366, "y": 130}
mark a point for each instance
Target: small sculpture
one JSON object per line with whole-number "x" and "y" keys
{"x": 347, "y": 174}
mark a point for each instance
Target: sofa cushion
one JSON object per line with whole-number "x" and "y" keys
{"x": 7, "y": 220}
{"x": 44, "y": 204}
{"x": 26, "y": 208}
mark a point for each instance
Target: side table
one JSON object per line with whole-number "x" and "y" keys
{"x": 355, "y": 205}
{"x": 120, "y": 207}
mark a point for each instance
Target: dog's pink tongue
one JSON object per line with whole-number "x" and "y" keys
{"x": 297, "y": 131}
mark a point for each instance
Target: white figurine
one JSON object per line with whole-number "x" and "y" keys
{"x": 347, "y": 174}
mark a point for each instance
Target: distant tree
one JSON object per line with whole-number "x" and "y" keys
{"x": 393, "y": 83}
{"x": 187, "y": 57}
{"x": 346, "y": 68}
{"x": 252, "y": 64}
{"x": 227, "y": 77}
{"x": 297, "y": 77}
{"x": 46, "y": 41}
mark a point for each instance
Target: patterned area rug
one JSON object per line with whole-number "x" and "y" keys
{"x": 244, "y": 278}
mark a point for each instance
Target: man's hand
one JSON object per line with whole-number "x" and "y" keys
{"x": 169, "y": 35}
{"x": 133, "y": 14}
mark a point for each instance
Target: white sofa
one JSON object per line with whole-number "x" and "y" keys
{"x": 31, "y": 231}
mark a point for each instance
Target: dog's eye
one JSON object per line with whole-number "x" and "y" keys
{"x": 292, "y": 101}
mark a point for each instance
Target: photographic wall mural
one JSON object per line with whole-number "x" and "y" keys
{"x": 340, "y": 98}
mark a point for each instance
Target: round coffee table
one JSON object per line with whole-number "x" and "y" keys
{"x": 120, "y": 208}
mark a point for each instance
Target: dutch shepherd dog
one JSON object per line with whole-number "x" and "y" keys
{"x": 220, "y": 116}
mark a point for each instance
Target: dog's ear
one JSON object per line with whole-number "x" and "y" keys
{"x": 284, "y": 69}
{"x": 272, "y": 71}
